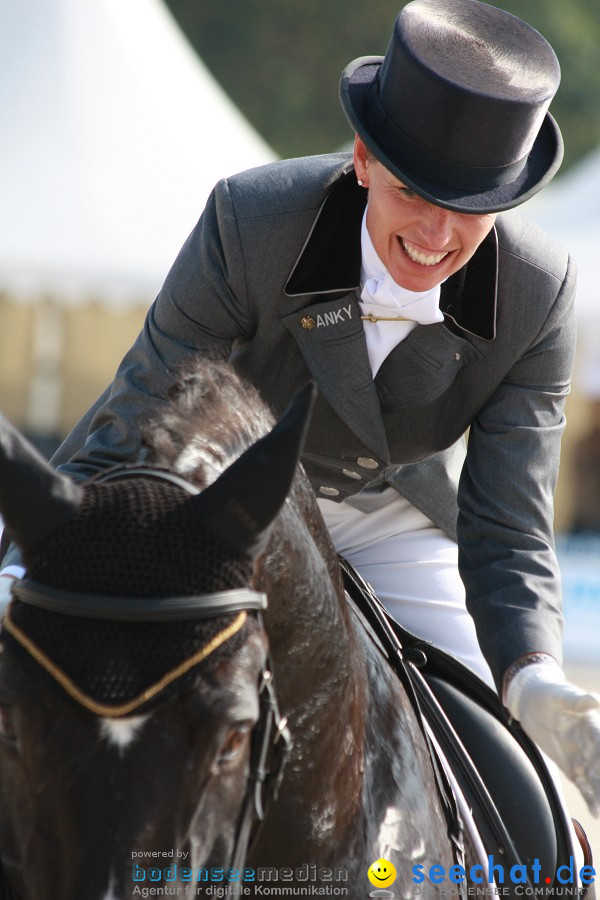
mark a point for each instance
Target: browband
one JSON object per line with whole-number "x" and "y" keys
{"x": 123, "y": 471}
{"x": 138, "y": 609}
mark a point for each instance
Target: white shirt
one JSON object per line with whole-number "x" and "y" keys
{"x": 381, "y": 296}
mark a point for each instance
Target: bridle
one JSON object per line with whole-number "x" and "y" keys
{"x": 270, "y": 740}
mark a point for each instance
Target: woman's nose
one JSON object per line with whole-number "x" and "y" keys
{"x": 437, "y": 227}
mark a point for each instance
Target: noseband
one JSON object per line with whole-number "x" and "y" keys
{"x": 270, "y": 740}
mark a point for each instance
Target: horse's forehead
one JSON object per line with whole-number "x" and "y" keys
{"x": 127, "y": 668}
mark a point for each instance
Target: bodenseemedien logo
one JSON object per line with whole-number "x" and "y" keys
{"x": 182, "y": 880}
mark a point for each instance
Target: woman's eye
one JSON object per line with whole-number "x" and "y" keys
{"x": 7, "y": 726}
{"x": 235, "y": 743}
{"x": 407, "y": 194}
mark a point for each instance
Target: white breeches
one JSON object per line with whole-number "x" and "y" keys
{"x": 413, "y": 568}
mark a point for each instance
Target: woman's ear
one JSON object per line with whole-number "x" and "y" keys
{"x": 361, "y": 161}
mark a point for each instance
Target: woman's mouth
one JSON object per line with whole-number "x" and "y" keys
{"x": 418, "y": 256}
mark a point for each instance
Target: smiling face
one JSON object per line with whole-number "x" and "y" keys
{"x": 382, "y": 873}
{"x": 419, "y": 243}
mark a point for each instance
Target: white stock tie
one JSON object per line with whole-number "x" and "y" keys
{"x": 394, "y": 310}
{"x": 392, "y": 321}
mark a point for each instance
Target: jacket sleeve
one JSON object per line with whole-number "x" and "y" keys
{"x": 201, "y": 309}
{"x": 505, "y": 524}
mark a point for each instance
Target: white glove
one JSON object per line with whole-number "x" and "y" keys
{"x": 563, "y": 720}
{"x": 7, "y": 579}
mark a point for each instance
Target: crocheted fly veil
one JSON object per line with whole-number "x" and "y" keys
{"x": 139, "y": 537}
{"x": 131, "y": 538}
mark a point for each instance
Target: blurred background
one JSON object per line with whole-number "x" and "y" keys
{"x": 120, "y": 115}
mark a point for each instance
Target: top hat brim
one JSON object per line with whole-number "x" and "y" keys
{"x": 541, "y": 165}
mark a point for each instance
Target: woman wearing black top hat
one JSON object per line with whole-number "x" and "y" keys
{"x": 391, "y": 280}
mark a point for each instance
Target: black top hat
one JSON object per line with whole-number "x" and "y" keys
{"x": 457, "y": 108}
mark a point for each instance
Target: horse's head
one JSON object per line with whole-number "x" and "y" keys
{"x": 134, "y": 688}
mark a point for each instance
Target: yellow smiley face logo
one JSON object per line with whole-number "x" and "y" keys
{"x": 382, "y": 873}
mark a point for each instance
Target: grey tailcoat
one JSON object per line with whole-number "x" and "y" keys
{"x": 269, "y": 278}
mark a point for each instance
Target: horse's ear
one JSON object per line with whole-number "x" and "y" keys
{"x": 241, "y": 505}
{"x": 35, "y": 499}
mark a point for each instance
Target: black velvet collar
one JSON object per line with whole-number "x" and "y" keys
{"x": 330, "y": 262}
{"x": 468, "y": 298}
{"x": 331, "y": 258}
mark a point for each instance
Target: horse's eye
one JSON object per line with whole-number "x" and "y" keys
{"x": 235, "y": 743}
{"x": 7, "y": 727}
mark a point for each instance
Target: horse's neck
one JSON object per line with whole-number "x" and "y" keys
{"x": 320, "y": 670}
{"x": 308, "y": 614}
{"x": 360, "y": 770}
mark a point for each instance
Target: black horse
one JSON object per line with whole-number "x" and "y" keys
{"x": 139, "y": 730}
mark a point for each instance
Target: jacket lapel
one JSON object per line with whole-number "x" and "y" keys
{"x": 331, "y": 338}
{"x": 328, "y": 329}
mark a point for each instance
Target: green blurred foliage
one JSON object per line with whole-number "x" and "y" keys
{"x": 281, "y": 60}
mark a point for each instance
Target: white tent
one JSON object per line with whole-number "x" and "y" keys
{"x": 569, "y": 208}
{"x": 113, "y": 135}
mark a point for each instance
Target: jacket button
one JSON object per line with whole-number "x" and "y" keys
{"x": 307, "y": 322}
{"x": 329, "y": 491}
{"x": 365, "y": 462}
{"x": 351, "y": 474}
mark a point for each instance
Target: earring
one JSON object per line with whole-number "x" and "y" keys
{"x": 360, "y": 184}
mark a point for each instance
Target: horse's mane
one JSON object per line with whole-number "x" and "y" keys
{"x": 212, "y": 417}
{"x": 141, "y": 537}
